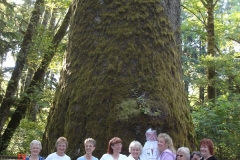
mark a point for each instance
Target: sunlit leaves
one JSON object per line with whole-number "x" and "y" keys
{"x": 220, "y": 123}
{"x": 220, "y": 120}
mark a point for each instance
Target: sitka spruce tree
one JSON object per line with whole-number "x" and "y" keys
{"x": 122, "y": 75}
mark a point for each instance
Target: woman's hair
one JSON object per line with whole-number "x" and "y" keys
{"x": 113, "y": 141}
{"x": 91, "y": 140}
{"x": 135, "y": 144}
{"x": 209, "y": 144}
{"x": 60, "y": 140}
{"x": 185, "y": 151}
{"x": 197, "y": 153}
{"x": 37, "y": 142}
{"x": 168, "y": 141}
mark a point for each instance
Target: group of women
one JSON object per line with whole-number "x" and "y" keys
{"x": 165, "y": 147}
{"x": 206, "y": 152}
{"x": 61, "y": 146}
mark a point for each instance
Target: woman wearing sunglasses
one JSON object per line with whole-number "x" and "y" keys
{"x": 183, "y": 153}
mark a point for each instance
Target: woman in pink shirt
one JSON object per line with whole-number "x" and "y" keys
{"x": 165, "y": 146}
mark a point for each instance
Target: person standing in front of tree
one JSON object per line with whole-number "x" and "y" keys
{"x": 135, "y": 150}
{"x": 207, "y": 149}
{"x": 89, "y": 145}
{"x": 196, "y": 155}
{"x": 113, "y": 150}
{"x": 183, "y": 153}
{"x": 35, "y": 148}
{"x": 166, "y": 148}
{"x": 150, "y": 149}
{"x": 61, "y": 146}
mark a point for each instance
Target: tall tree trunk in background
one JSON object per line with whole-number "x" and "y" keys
{"x": 122, "y": 75}
{"x": 211, "y": 73}
{"x": 20, "y": 62}
{"x": 32, "y": 109}
{"x": 202, "y": 88}
{"x": 34, "y": 85}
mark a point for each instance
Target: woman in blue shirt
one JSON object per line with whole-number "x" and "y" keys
{"x": 89, "y": 145}
{"x": 35, "y": 148}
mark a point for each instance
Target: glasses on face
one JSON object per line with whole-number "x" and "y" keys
{"x": 118, "y": 145}
{"x": 179, "y": 155}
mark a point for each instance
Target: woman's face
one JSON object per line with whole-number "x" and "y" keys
{"x": 195, "y": 157}
{"x": 181, "y": 156}
{"x": 35, "y": 149}
{"x": 135, "y": 152}
{"x": 61, "y": 148}
{"x": 117, "y": 148}
{"x": 204, "y": 149}
{"x": 89, "y": 147}
{"x": 162, "y": 146}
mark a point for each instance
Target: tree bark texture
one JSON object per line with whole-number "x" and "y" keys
{"x": 122, "y": 76}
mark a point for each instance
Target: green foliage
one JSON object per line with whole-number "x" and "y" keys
{"x": 10, "y": 36}
{"x": 218, "y": 121}
{"x": 25, "y": 133}
{"x": 134, "y": 107}
{"x": 128, "y": 109}
{"x": 15, "y": 19}
{"x": 221, "y": 124}
{"x": 30, "y": 130}
{"x": 147, "y": 106}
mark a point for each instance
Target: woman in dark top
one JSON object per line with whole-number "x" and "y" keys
{"x": 207, "y": 149}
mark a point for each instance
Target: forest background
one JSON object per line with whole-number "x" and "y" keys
{"x": 213, "y": 98}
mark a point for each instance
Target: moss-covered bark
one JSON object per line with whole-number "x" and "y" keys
{"x": 122, "y": 76}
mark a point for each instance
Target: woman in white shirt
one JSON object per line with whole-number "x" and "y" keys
{"x": 113, "y": 150}
{"x": 135, "y": 150}
{"x": 61, "y": 146}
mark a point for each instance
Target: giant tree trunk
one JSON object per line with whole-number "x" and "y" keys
{"x": 122, "y": 76}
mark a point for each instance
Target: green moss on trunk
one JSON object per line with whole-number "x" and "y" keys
{"x": 122, "y": 76}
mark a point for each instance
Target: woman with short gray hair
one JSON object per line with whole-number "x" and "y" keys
{"x": 135, "y": 150}
{"x": 183, "y": 153}
{"x": 89, "y": 145}
{"x": 35, "y": 148}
